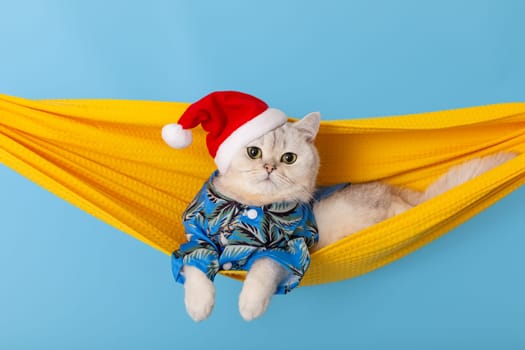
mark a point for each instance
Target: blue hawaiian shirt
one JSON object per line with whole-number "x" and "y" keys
{"x": 226, "y": 235}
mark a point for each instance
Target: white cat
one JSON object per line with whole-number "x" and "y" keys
{"x": 285, "y": 170}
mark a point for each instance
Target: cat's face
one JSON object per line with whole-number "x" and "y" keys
{"x": 280, "y": 166}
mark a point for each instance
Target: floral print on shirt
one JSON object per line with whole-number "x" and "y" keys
{"x": 226, "y": 235}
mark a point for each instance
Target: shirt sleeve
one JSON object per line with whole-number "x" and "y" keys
{"x": 308, "y": 230}
{"x": 200, "y": 251}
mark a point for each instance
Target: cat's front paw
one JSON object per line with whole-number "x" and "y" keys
{"x": 199, "y": 295}
{"x": 253, "y": 302}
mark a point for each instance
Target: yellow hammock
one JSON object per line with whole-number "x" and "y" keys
{"x": 107, "y": 157}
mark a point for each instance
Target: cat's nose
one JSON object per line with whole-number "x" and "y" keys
{"x": 269, "y": 168}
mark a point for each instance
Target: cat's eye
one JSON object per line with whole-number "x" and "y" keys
{"x": 289, "y": 158}
{"x": 254, "y": 152}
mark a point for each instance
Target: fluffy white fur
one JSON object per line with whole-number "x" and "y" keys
{"x": 362, "y": 205}
{"x": 266, "y": 180}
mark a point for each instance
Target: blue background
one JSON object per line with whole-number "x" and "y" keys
{"x": 70, "y": 281}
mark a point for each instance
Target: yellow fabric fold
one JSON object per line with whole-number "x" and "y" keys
{"x": 107, "y": 158}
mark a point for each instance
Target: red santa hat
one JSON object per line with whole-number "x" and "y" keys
{"x": 232, "y": 119}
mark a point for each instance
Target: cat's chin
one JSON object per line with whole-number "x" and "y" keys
{"x": 268, "y": 198}
{"x": 262, "y": 192}
{"x": 267, "y": 192}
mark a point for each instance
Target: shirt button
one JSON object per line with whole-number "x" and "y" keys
{"x": 251, "y": 214}
{"x": 227, "y": 266}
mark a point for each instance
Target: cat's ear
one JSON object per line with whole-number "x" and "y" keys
{"x": 309, "y": 125}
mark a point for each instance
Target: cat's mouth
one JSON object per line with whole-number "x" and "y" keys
{"x": 268, "y": 179}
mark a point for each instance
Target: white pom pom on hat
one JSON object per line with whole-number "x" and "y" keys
{"x": 175, "y": 136}
{"x": 232, "y": 119}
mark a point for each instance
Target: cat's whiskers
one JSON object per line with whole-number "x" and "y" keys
{"x": 250, "y": 170}
{"x": 281, "y": 179}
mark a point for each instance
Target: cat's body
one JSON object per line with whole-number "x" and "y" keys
{"x": 362, "y": 205}
{"x": 282, "y": 166}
